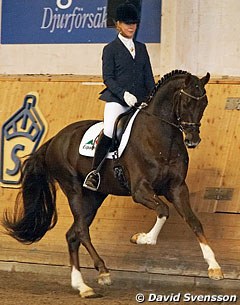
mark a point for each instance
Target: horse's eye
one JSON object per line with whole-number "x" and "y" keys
{"x": 196, "y": 86}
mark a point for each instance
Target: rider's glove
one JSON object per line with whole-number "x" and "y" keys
{"x": 130, "y": 99}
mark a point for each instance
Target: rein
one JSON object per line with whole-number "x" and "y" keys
{"x": 143, "y": 110}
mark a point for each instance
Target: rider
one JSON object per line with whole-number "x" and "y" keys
{"x": 128, "y": 77}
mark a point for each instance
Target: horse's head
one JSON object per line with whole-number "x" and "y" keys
{"x": 190, "y": 105}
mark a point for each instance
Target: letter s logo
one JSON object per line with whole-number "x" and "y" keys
{"x": 15, "y": 159}
{"x": 64, "y": 6}
{"x": 21, "y": 135}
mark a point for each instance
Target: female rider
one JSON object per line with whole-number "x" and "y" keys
{"x": 128, "y": 77}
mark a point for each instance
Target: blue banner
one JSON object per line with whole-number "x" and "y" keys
{"x": 70, "y": 21}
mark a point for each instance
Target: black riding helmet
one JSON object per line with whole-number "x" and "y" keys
{"x": 127, "y": 13}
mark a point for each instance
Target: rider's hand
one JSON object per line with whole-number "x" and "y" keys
{"x": 130, "y": 99}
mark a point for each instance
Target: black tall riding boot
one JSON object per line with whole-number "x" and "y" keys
{"x": 92, "y": 180}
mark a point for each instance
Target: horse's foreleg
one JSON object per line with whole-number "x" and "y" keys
{"x": 149, "y": 238}
{"x": 214, "y": 270}
{"x": 146, "y": 196}
{"x": 180, "y": 198}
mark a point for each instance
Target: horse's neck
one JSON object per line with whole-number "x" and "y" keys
{"x": 163, "y": 118}
{"x": 162, "y": 103}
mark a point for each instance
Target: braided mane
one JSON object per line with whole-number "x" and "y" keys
{"x": 170, "y": 75}
{"x": 163, "y": 80}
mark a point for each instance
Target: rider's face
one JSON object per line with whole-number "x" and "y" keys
{"x": 127, "y": 30}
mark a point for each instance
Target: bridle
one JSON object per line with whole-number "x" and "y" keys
{"x": 182, "y": 125}
{"x": 197, "y": 98}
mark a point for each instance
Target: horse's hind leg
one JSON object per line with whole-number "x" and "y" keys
{"x": 92, "y": 201}
{"x": 84, "y": 209}
{"x": 180, "y": 198}
{"x": 77, "y": 281}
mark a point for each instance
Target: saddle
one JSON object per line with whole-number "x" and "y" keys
{"x": 122, "y": 130}
{"x": 120, "y": 126}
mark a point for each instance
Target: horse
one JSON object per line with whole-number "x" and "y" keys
{"x": 155, "y": 164}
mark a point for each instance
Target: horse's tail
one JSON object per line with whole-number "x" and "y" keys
{"x": 35, "y": 207}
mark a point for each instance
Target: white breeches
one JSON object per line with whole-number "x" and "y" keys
{"x": 111, "y": 112}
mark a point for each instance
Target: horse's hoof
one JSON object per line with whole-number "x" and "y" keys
{"x": 142, "y": 239}
{"x": 134, "y": 239}
{"x": 89, "y": 294}
{"x": 104, "y": 279}
{"x": 215, "y": 274}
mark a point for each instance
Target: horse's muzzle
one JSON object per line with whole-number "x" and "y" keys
{"x": 191, "y": 144}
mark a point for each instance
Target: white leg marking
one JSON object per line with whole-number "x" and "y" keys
{"x": 150, "y": 238}
{"x": 209, "y": 257}
{"x": 78, "y": 283}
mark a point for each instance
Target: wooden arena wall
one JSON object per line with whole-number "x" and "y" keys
{"x": 214, "y": 166}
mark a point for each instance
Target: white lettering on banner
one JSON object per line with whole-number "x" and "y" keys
{"x": 75, "y": 20}
{"x": 64, "y": 6}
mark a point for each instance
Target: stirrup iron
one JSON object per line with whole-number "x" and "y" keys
{"x": 95, "y": 173}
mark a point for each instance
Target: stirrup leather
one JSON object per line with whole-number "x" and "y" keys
{"x": 97, "y": 176}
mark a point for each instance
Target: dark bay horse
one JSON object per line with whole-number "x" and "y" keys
{"x": 155, "y": 163}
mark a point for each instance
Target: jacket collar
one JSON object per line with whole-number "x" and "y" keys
{"x": 121, "y": 44}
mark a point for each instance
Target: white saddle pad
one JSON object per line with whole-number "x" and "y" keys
{"x": 89, "y": 139}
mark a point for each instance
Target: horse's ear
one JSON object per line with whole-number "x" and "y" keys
{"x": 187, "y": 79}
{"x": 205, "y": 79}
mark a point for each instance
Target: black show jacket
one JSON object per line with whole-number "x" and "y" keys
{"x": 122, "y": 72}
